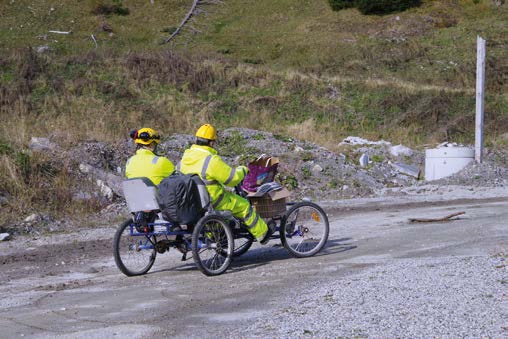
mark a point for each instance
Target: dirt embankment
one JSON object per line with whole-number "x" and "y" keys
{"x": 359, "y": 169}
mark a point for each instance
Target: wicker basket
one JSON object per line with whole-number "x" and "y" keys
{"x": 268, "y": 208}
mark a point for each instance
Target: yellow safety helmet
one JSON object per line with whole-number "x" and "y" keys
{"x": 145, "y": 136}
{"x": 207, "y": 131}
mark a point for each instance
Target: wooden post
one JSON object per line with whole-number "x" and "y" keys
{"x": 480, "y": 88}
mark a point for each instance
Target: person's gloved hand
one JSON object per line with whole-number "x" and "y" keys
{"x": 245, "y": 169}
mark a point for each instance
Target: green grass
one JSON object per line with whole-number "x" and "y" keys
{"x": 26, "y": 21}
{"x": 294, "y": 68}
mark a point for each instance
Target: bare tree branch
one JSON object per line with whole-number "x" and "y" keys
{"x": 184, "y": 21}
{"x": 61, "y": 32}
{"x": 95, "y": 41}
{"x": 447, "y": 218}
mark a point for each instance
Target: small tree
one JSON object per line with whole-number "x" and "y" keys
{"x": 385, "y": 6}
{"x": 107, "y": 7}
{"x": 374, "y": 6}
{"x": 337, "y": 5}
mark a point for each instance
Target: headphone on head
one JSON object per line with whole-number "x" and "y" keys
{"x": 145, "y": 136}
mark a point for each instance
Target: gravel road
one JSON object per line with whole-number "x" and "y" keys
{"x": 380, "y": 276}
{"x": 459, "y": 296}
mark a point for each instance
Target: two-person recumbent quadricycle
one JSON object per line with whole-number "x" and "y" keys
{"x": 214, "y": 240}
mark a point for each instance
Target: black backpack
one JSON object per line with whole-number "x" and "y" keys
{"x": 180, "y": 198}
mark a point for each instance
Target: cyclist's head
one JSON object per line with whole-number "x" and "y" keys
{"x": 206, "y": 135}
{"x": 145, "y": 136}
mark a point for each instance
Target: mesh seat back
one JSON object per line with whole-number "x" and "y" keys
{"x": 141, "y": 195}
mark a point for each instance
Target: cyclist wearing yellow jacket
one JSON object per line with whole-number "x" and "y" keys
{"x": 145, "y": 163}
{"x": 202, "y": 159}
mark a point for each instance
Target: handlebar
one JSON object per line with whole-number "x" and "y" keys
{"x": 239, "y": 190}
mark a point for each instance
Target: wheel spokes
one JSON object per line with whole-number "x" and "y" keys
{"x": 212, "y": 245}
{"x": 305, "y": 229}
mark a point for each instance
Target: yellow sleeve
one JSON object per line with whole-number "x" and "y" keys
{"x": 223, "y": 173}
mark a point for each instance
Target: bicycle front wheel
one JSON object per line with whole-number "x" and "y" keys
{"x": 212, "y": 245}
{"x": 305, "y": 229}
{"x": 134, "y": 254}
{"x": 242, "y": 243}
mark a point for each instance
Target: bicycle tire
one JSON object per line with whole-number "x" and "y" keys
{"x": 131, "y": 256}
{"x": 242, "y": 245}
{"x": 212, "y": 245}
{"x": 304, "y": 230}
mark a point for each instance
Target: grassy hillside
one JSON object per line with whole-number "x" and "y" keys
{"x": 352, "y": 71}
{"x": 295, "y": 68}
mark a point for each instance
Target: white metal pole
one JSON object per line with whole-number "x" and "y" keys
{"x": 480, "y": 89}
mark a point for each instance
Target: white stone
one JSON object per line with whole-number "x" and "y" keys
{"x": 106, "y": 191}
{"x": 85, "y": 168}
{"x": 410, "y": 170}
{"x": 43, "y": 49}
{"x": 364, "y": 160}
{"x": 360, "y": 141}
{"x": 317, "y": 168}
{"x": 298, "y": 149}
{"x": 32, "y": 218}
{"x": 400, "y": 150}
{"x": 4, "y": 236}
{"x": 41, "y": 144}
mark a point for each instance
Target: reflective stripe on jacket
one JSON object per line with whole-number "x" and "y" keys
{"x": 215, "y": 173}
{"x": 146, "y": 164}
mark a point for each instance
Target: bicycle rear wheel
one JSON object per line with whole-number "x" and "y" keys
{"x": 305, "y": 229}
{"x": 134, "y": 254}
{"x": 212, "y": 245}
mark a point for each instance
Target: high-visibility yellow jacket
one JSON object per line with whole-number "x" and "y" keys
{"x": 215, "y": 173}
{"x": 146, "y": 164}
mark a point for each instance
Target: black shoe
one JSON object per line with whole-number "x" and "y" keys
{"x": 267, "y": 237}
{"x": 269, "y": 233}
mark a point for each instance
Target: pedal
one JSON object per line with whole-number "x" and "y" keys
{"x": 183, "y": 248}
{"x": 162, "y": 246}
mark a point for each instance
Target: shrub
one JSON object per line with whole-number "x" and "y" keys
{"x": 306, "y": 172}
{"x": 374, "y": 6}
{"x": 307, "y": 156}
{"x": 385, "y": 6}
{"x": 334, "y": 183}
{"x": 337, "y": 5}
{"x": 5, "y": 148}
{"x": 106, "y": 7}
{"x": 289, "y": 181}
{"x": 254, "y": 61}
{"x": 235, "y": 144}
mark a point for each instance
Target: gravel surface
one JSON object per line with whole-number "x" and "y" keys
{"x": 422, "y": 297}
{"x": 454, "y": 297}
{"x": 379, "y": 277}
